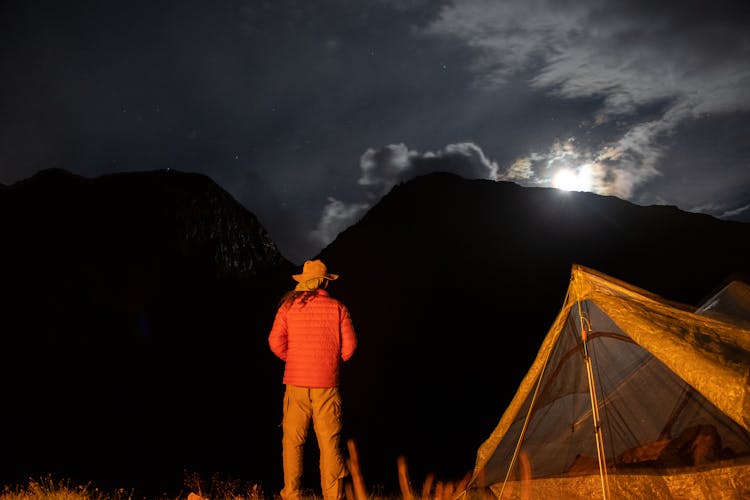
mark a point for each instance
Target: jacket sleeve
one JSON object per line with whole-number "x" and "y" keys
{"x": 348, "y": 335}
{"x": 278, "y": 337}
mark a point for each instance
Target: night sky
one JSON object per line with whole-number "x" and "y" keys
{"x": 308, "y": 112}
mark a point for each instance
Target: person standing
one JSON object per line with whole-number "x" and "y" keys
{"x": 313, "y": 334}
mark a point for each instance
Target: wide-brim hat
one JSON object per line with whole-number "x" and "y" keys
{"x": 314, "y": 269}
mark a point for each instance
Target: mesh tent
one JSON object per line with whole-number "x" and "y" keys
{"x": 731, "y": 304}
{"x": 630, "y": 396}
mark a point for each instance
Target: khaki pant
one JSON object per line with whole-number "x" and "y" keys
{"x": 323, "y": 406}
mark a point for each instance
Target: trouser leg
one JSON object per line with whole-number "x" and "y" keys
{"x": 297, "y": 412}
{"x": 327, "y": 424}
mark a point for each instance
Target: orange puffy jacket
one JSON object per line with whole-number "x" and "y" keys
{"x": 313, "y": 338}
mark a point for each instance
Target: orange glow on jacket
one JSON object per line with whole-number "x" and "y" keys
{"x": 313, "y": 338}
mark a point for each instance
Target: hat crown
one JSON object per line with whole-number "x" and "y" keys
{"x": 314, "y": 269}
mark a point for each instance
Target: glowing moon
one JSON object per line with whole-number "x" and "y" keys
{"x": 569, "y": 180}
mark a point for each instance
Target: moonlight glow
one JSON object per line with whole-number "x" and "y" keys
{"x": 569, "y": 180}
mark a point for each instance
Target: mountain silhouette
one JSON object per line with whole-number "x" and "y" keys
{"x": 136, "y": 309}
{"x": 135, "y": 313}
{"x": 453, "y": 283}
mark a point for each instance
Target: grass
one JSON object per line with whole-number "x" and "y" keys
{"x": 50, "y": 489}
{"x": 217, "y": 488}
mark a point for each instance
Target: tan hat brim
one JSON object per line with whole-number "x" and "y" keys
{"x": 304, "y": 277}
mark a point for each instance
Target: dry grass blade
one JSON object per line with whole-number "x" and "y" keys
{"x": 358, "y": 492}
{"x": 451, "y": 490}
{"x": 403, "y": 480}
{"x": 427, "y": 485}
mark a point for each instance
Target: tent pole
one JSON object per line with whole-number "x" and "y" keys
{"x": 598, "y": 431}
{"x": 594, "y": 410}
{"x": 532, "y": 406}
{"x": 523, "y": 431}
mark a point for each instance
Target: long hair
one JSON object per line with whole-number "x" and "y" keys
{"x": 304, "y": 291}
{"x": 289, "y": 297}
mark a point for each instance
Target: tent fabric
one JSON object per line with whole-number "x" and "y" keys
{"x": 729, "y": 482}
{"x": 670, "y": 384}
{"x": 731, "y": 303}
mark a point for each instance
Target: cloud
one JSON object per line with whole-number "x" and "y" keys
{"x": 738, "y": 212}
{"x": 630, "y": 54}
{"x": 336, "y": 217}
{"x": 386, "y": 167}
{"x": 383, "y": 168}
{"x": 692, "y": 59}
{"x": 615, "y": 169}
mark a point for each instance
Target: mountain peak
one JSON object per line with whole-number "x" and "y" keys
{"x": 186, "y": 214}
{"x": 455, "y": 282}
